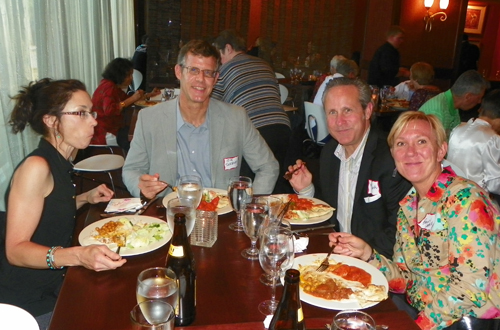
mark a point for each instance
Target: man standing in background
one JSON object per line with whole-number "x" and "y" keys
{"x": 385, "y": 65}
{"x": 250, "y": 82}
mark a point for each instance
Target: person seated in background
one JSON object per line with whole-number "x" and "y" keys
{"x": 344, "y": 68}
{"x": 194, "y": 134}
{"x": 466, "y": 93}
{"x": 321, "y": 79}
{"x": 447, "y": 243}
{"x": 475, "y": 146}
{"x": 35, "y": 241}
{"x": 110, "y": 99}
{"x": 356, "y": 168}
{"x": 418, "y": 89}
{"x": 385, "y": 67}
{"x": 251, "y": 83}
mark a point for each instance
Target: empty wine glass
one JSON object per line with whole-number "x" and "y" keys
{"x": 253, "y": 215}
{"x": 168, "y": 94}
{"x": 274, "y": 252}
{"x": 239, "y": 192}
{"x": 266, "y": 278}
{"x": 190, "y": 187}
{"x": 274, "y": 203}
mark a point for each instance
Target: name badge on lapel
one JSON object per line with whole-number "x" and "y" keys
{"x": 374, "y": 191}
{"x": 428, "y": 222}
{"x": 230, "y": 163}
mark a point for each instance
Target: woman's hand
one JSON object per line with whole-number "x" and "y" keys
{"x": 99, "y": 258}
{"x": 302, "y": 178}
{"x": 350, "y": 245}
{"x": 153, "y": 93}
{"x": 99, "y": 194}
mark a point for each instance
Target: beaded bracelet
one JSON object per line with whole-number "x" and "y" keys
{"x": 50, "y": 258}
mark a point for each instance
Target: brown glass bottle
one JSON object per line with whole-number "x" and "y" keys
{"x": 181, "y": 261}
{"x": 288, "y": 314}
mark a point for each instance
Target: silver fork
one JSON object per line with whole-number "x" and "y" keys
{"x": 325, "y": 263}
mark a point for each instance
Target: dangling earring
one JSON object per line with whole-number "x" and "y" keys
{"x": 56, "y": 132}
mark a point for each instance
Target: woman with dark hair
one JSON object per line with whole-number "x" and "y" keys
{"x": 35, "y": 241}
{"x": 110, "y": 99}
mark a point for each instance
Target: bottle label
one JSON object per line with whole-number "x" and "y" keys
{"x": 300, "y": 315}
{"x": 176, "y": 251}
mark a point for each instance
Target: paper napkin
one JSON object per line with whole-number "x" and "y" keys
{"x": 123, "y": 205}
{"x": 300, "y": 244}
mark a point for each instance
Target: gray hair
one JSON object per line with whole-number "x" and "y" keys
{"x": 365, "y": 93}
{"x": 335, "y": 60}
{"x": 469, "y": 82}
{"x": 346, "y": 67}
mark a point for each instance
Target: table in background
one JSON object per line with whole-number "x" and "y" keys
{"x": 228, "y": 286}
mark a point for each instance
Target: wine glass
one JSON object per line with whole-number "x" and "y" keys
{"x": 266, "y": 278}
{"x": 157, "y": 283}
{"x": 239, "y": 192}
{"x": 274, "y": 204}
{"x": 181, "y": 205}
{"x": 274, "y": 252}
{"x": 254, "y": 213}
{"x": 168, "y": 94}
{"x": 190, "y": 187}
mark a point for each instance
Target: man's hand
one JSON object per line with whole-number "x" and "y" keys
{"x": 302, "y": 178}
{"x": 150, "y": 185}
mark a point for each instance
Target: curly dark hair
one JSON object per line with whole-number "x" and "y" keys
{"x": 118, "y": 70}
{"x": 40, "y": 98}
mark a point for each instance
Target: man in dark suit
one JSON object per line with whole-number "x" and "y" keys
{"x": 357, "y": 172}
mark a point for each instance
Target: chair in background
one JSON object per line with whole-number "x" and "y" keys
{"x": 316, "y": 125}
{"x": 136, "y": 80}
{"x": 279, "y": 75}
{"x": 283, "y": 93}
{"x": 100, "y": 163}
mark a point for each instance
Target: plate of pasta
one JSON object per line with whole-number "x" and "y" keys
{"x": 140, "y": 234}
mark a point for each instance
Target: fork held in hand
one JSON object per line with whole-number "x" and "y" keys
{"x": 325, "y": 263}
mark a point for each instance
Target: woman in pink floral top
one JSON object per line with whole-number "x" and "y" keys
{"x": 447, "y": 244}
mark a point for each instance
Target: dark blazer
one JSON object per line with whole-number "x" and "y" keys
{"x": 374, "y": 220}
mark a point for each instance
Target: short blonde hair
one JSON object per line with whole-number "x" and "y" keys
{"x": 422, "y": 72}
{"x": 409, "y": 116}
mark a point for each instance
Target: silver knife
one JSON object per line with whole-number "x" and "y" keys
{"x": 141, "y": 211}
{"x": 310, "y": 229}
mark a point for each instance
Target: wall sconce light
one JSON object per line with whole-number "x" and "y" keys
{"x": 429, "y": 17}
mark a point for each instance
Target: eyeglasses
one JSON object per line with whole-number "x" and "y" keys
{"x": 196, "y": 71}
{"x": 82, "y": 114}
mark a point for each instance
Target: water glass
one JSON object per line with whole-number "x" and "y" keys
{"x": 353, "y": 320}
{"x": 157, "y": 283}
{"x": 168, "y": 94}
{"x": 239, "y": 191}
{"x": 152, "y": 315}
{"x": 254, "y": 213}
{"x": 181, "y": 205}
{"x": 274, "y": 203}
{"x": 205, "y": 228}
{"x": 190, "y": 187}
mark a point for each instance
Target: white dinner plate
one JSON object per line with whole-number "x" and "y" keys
{"x": 226, "y": 209}
{"x": 310, "y": 221}
{"x": 315, "y": 259}
{"x": 13, "y": 317}
{"x": 85, "y": 238}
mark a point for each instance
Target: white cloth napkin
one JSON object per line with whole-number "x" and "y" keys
{"x": 300, "y": 244}
{"x": 123, "y": 205}
{"x": 267, "y": 321}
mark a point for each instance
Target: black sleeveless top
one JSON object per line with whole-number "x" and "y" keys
{"x": 36, "y": 290}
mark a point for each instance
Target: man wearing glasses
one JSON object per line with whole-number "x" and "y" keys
{"x": 194, "y": 134}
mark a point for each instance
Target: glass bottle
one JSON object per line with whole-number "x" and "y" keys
{"x": 181, "y": 261}
{"x": 288, "y": 314}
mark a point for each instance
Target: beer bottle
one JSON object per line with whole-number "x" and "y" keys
{"x": 181, "y": 261}
{"x": 288, "y": 314}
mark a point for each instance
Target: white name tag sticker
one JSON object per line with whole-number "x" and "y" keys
{"x": 428, "y": 222}
{"x": 230, "y": 163}
{"x": 373, "y": 188}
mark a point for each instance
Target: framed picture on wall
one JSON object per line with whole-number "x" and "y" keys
{"x": 474, "y": 20}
